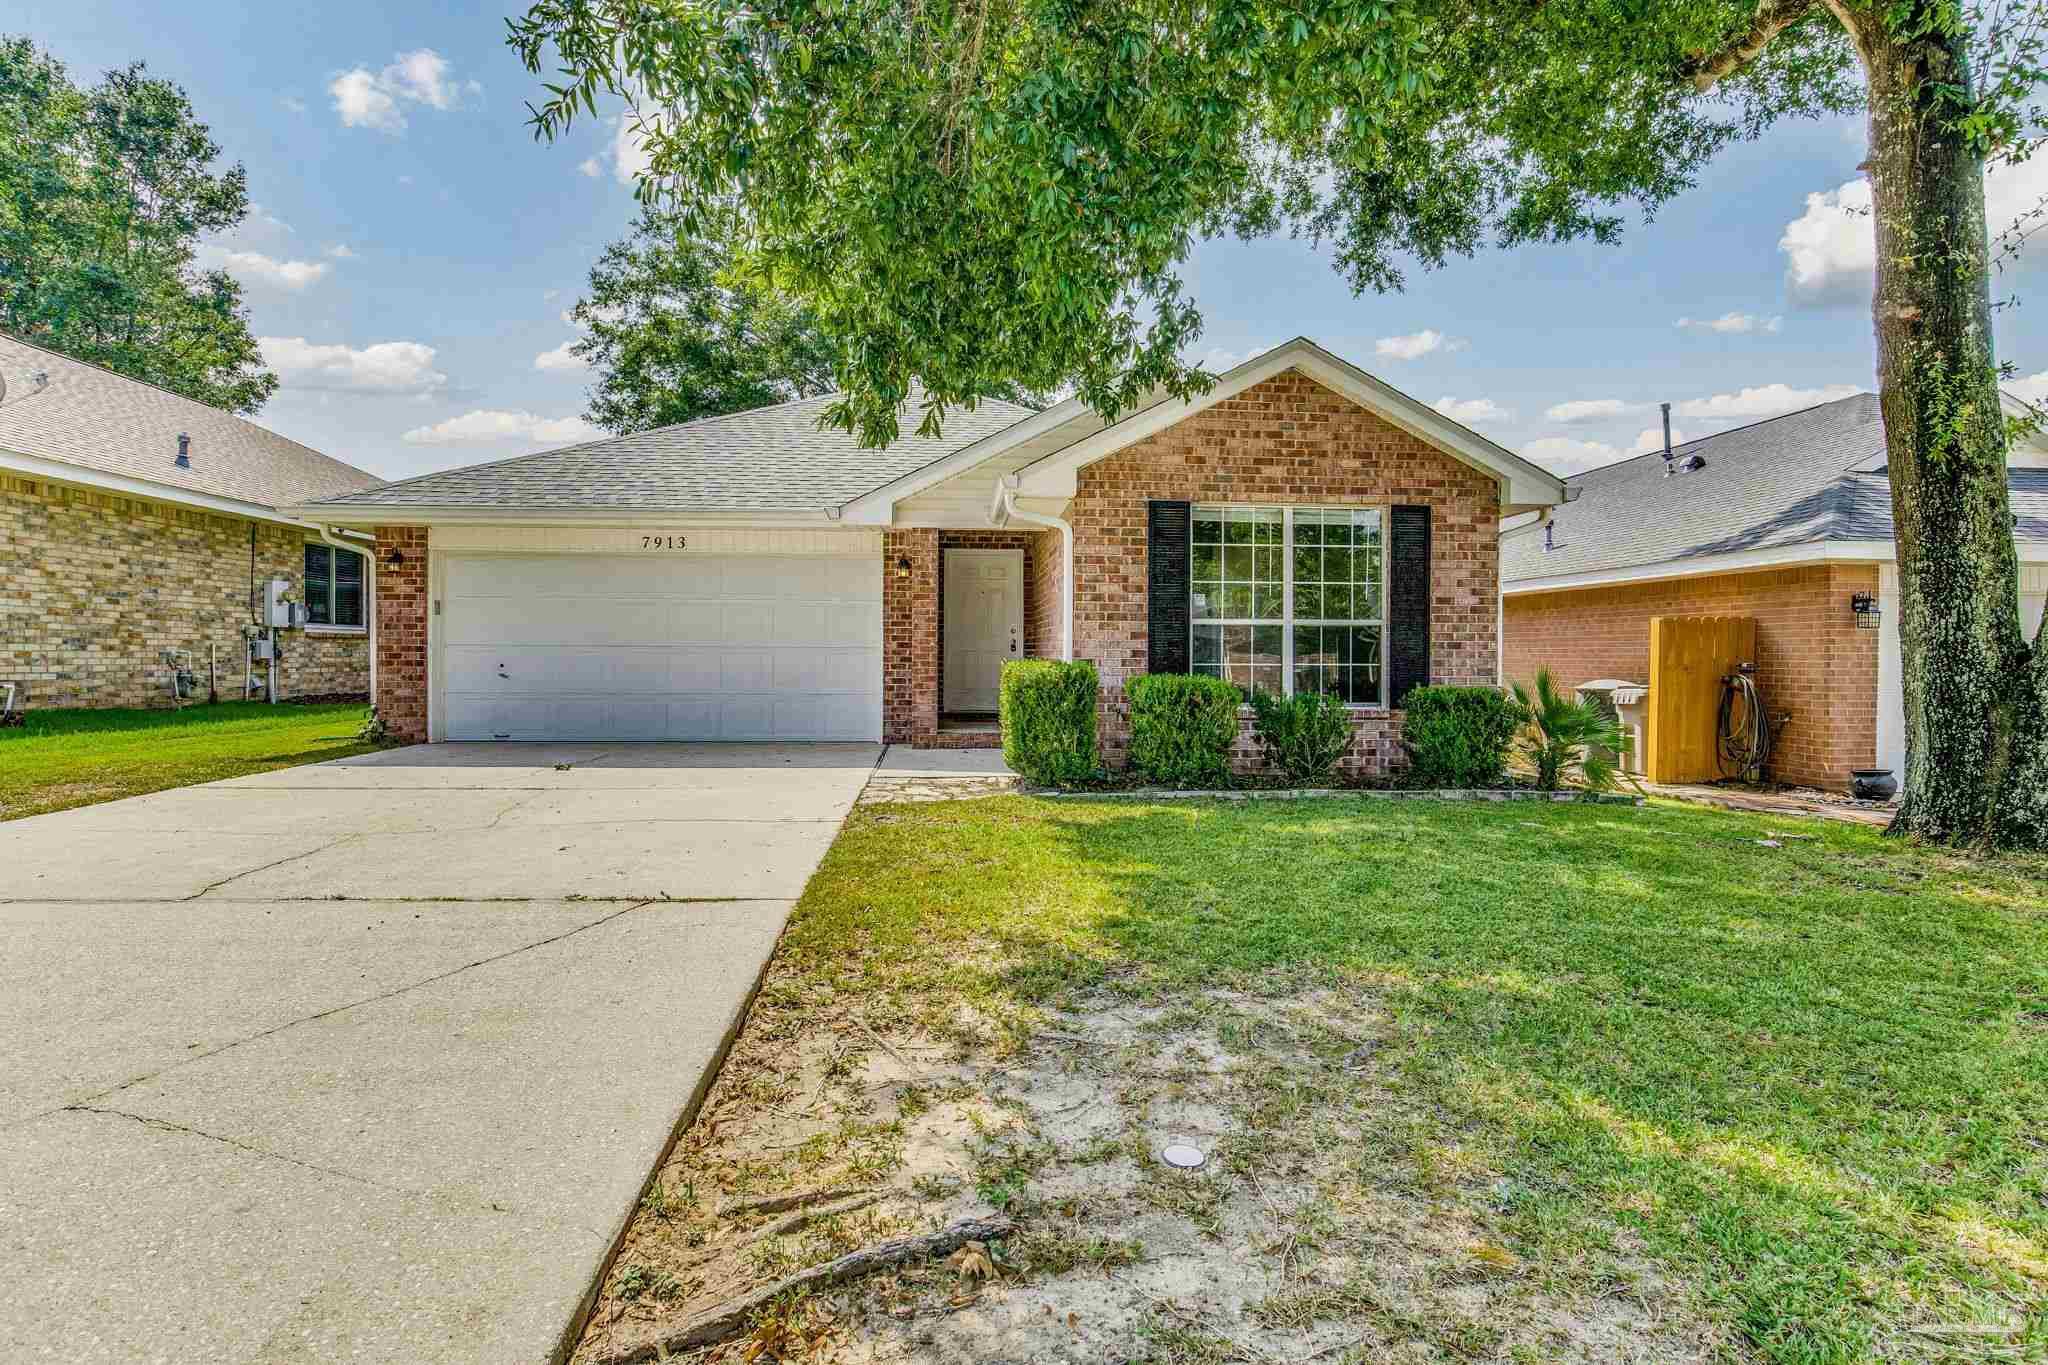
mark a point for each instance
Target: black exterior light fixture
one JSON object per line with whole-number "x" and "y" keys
{"x": 1865, "y": 606}
{"x": 396, "y": 560}
{"x": 903, "y": 567}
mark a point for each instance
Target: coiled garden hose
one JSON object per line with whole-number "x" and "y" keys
{"x": 1742, "y": 730}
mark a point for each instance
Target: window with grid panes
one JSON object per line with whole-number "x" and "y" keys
{"x": 1290, "y": 599}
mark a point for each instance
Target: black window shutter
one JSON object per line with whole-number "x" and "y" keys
{"x": 1407, "y": 603}
{"x": 348, "y": 588}
{"x": 1167, "y": 529}
{"x": 319, "y": 579}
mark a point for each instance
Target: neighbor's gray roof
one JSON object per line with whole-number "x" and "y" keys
{"x": 106, "y": 422}
{"x": 773, "y": 459}
{"x": 1808, "y": 476}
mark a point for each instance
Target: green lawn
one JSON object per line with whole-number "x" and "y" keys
{"x": 61, "y": 759}
{"x": 1810, "y": 1082}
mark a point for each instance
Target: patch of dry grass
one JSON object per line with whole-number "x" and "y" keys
{"x": 1628, "y": 1089}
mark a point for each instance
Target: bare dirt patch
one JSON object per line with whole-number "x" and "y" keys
{"x": 1331, "y": 1220}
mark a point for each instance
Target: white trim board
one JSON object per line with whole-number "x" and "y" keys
{"x": 78, "y": 476}
{"x": 1740, "y": 561}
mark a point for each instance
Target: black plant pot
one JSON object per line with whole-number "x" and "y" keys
{"x": 1873, "y": 784}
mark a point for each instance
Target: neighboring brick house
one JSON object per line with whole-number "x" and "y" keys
{"x": 134, "y": 522}
{"x": 1787, "y": 521}
{"x": 754, "y": 577}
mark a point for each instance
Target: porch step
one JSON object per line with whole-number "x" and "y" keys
{"x": 962, "y": 735}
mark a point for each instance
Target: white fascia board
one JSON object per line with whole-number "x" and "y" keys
{"x": 639, "y": 517}
{"x": 78, "y": 476}
{"x": 1812, "y": 552}
{"x": 877, "y": 506}
{"x": 1521, "y": 483}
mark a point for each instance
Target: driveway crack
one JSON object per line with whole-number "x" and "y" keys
{"x": 252, "y": 871}
{"x": 316, "y": 1016}
{"x": 264, "y": 1153}
{"x": 166, "y": 1125}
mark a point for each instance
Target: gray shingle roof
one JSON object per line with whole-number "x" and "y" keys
{"x": 772, "y": 459}
{"x": 1808, "y": 476}
{"x": 98, "y": 420}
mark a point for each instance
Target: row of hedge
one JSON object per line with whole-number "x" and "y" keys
{"x": 1183, "y": 728}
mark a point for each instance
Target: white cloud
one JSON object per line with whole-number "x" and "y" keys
{"x": 341, "y": 251}
{"x": 1764, "y": 400}
{"x": 1652, "y": 438}
{"x": 293, "y": 104}
{"x": 1470, "y": 410}
{"x": 2031, "y": 388}
{"x": 1587, "y": 410}
{"x": 1831, "y": 248}
{"x": 255, "y": 268}
{"x": 628, "y": 153}
{"x": 1415, "y": 344}
{"x": 590, "y": 167}
{"x": 386, "y": 367}
{"x": 485, "y": 425}
{"x": 1732, "y": 324}
{"x": 561, "y": 360}
{"x": 1564, "y": 455}
{"x": 367, "y": 99}
{"x": 1220, "y": 359}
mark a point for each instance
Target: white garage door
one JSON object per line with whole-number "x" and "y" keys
{"x": 762, "y": 647}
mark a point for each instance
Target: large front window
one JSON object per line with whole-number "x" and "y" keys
{"x": 1291, "y": 599}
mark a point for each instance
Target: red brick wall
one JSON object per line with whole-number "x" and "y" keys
{"x": 1046, "y": 567}
{"x": 910, "y": 635}
{"x": 1812, "y": 661}
{"x": 1287, "y": 441}
{"x": 402, "y": 632}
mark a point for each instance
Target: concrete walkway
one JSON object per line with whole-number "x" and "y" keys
{"x": 370, "y": 1060}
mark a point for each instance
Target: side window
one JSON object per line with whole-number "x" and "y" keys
{"x": 319, "y": 585}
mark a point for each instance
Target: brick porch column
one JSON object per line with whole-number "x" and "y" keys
{"x": 910, "y": 636}
{"x": 401, "y": 642}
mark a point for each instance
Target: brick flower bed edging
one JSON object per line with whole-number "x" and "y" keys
{"x": 1308, "y": 793}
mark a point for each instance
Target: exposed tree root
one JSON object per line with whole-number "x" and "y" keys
{"x": 731, "y": 1318}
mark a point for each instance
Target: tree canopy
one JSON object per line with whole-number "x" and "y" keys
{"x": 674, "y": 335}
{"x": 104, "y": 193}
{"x": 970, "y": 191}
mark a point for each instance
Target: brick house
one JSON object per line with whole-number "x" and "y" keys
{"x": 752, "y": 577}
{"x": 1787, "y": 521}
{"x": 138, "y": 533}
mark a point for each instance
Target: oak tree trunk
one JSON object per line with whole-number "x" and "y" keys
{"x": 1976, "y": 692}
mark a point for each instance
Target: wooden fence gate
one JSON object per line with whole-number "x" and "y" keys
{"x": 1689, "y": 655}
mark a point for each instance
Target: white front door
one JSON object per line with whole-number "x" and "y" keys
{"x": 983, "y": 625}
{"x": 671, "y": 646}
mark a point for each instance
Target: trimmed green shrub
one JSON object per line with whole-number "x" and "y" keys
{"x": 1182, "y": 728}
{"x": 1048, "y": 719}
{"x": 1459, "y": 736}
{"x": 1304, "y": 735}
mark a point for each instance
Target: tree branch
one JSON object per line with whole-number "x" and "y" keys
{"x": 1773, "y": 17}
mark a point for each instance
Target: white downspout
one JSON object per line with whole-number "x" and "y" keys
{"x": 1011, "y": 509}
{"x": 369, "y": 554}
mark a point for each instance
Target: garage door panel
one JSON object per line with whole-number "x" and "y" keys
{"x": 695, "y": 623}
{"x": 617, "y": 647}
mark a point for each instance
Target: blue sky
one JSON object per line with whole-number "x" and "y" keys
{"x": 415, "y": 250}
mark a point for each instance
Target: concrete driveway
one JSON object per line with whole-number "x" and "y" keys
{"x": 370, "y": 1059}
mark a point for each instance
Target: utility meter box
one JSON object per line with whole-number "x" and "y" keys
{"x": 1629, "y": 704}
{"x": 280, "y": 612}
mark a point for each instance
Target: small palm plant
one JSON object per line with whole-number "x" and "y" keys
{"x": 1564, "y": 730}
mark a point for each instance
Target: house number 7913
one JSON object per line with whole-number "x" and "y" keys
{"x": 663, "y": 543}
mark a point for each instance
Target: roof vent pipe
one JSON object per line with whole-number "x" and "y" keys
{"x": 184, "y": 451}
{"x": 1667, "y": 436}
